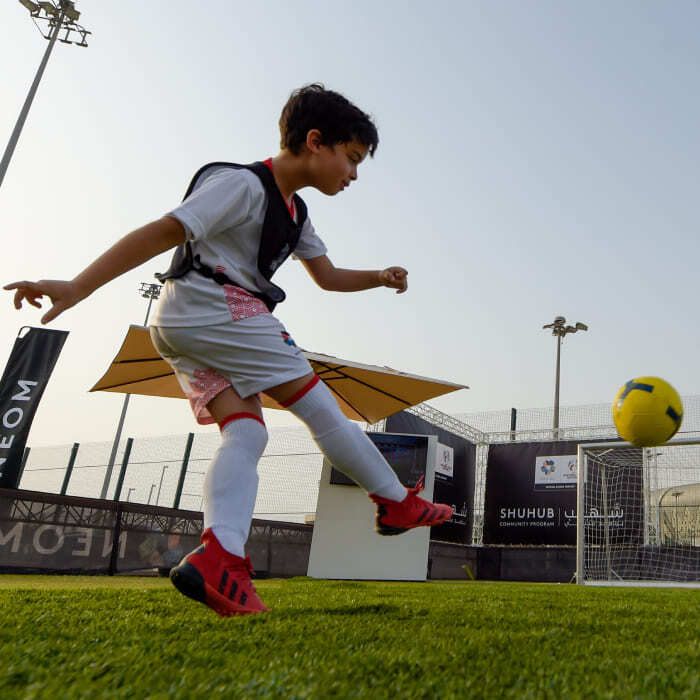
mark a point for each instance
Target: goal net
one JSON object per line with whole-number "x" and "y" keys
{"x": 641, "y": 514}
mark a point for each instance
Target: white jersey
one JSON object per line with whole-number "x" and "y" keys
{"x": 223, "y": 219}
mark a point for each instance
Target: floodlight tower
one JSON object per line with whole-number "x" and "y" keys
{"x": 51, "y": 19}
{"x": 148, "y": 291}
{"x": 560, "y": 329}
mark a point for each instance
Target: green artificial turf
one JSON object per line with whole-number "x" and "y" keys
{"x": 80, "y": 637}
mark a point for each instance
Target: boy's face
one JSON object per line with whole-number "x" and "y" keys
{"x": 335, "y": 167}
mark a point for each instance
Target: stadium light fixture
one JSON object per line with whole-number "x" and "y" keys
{"x": 31, "y": 6}
{"x": 49, "y": 8}
{"x": 148, "y": 291}
{"x": 72, "y": 14}
{"x": 57, "y": 16}
{"x": 560, "y": 329}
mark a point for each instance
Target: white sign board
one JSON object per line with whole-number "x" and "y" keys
{"x": 445, "y": 461}
{"x": 345, "y": 545}
{"x": 555, "y": 472}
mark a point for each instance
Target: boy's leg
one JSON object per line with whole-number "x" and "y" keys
{"x": 341, "y": 440}
{"x": 354, "y": 454}
{"x": 218, "y": 572}
{"x": 231, "y": 482}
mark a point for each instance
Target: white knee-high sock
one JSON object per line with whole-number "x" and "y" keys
{"x": 345, "y": 445}
{"x": 231, "y": 483}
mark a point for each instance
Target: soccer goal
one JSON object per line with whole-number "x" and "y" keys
{"x": 638, "y": 514}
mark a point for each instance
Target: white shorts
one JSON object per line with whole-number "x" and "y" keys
{"x": 251, "y": 355}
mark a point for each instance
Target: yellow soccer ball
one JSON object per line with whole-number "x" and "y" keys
{"x": 647, "y": 411}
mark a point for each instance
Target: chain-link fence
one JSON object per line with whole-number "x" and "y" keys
{"x": 289, "y": 472}
{"x": 291, "y": 464}
{"x": 597, "y": 417}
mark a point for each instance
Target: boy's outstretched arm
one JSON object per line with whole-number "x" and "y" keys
{"x": 129, "y": 252}
{"x": 335, "y": 279}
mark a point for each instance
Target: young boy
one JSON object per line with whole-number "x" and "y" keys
{"x": 214, "y": 326}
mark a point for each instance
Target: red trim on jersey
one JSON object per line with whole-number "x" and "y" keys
{"x": 290, "y": 204}
{"x": 301, "y": 393}
{"x": 237, "y": 416}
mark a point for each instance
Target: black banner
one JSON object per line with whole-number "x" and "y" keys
{"x": 457, "y": 488}
{"x": 26, "y": 375}
{"x": 531, "y": 495}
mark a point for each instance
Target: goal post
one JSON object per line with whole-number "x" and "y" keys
{"x": 638, "y": 514}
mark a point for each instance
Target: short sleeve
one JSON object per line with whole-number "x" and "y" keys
{"x": 221, "y": 201}
{"x": 309, "y": 245}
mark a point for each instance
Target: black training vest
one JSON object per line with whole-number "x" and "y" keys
{"x": 280, "y": 236}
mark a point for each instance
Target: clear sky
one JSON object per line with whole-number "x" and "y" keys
{"x": 536, "y": 159}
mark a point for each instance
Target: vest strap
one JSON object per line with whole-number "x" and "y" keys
{"x": 280, "y": 235}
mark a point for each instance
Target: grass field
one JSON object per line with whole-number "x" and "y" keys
{"x": 80, "y": 637}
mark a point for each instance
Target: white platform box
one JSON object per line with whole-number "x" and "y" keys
{"x": 344, "y": 543}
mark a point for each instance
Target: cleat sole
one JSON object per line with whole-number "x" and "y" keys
{"x": 388, "y": 530}
{"x": 188, "y": 581}
{"x": 191, "y": 583}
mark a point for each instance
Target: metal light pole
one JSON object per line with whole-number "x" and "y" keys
{"x": 148, "y": 291}
{"x": 560, "y": 329}
{"x": 60, "y": 16}
{"x": 160, "y": 483}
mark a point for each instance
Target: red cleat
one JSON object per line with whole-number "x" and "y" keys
{"x": 217, "y": 578}
{"x": 395, "y": 517}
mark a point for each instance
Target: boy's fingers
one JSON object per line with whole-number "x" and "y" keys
{"x": 54, "y": 311}
{"x": 50, "y": 315}
{"x": 395, "y": 277}
{"x": 17, "y": 285}
{"x": 19, "y": 295}
{"x": 23, "y": 285}
{"x": 401, "y": 277}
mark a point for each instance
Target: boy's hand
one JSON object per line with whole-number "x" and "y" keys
{"x": 396, "y": 278}
{"x": 63, "y": 295}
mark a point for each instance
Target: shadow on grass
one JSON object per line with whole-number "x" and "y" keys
{"x": 379, "y": 608}
{"x": 344, "y": 610}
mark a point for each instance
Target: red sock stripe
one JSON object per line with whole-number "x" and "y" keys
{"x": 238, "y": 416}
{"x": 302, "y": 392}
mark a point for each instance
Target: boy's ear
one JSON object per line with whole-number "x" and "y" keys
{"x": 313, "y": 140}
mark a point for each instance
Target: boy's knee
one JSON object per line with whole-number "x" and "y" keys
{"x": 245, "y": 434}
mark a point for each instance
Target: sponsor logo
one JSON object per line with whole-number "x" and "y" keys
{"x": 288, "y": 339}
{"x": 11, "y": 420}
{"x": 553, "y": 472}
{"x": 47, "y": 540}
{"x": 533, "y": 513}
{"x": 523, "y": 516}
{"x": 548, "y": 466}
{"x": 445, "y": 461}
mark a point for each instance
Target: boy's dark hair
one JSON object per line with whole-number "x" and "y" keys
{"x": 338, "y": 120}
